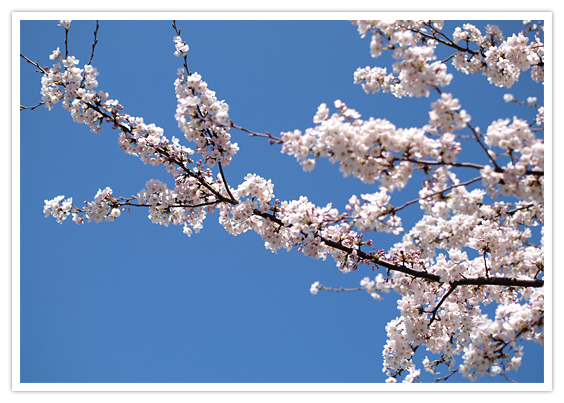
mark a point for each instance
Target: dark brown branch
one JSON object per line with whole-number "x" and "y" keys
{"x": 210, "y": 203}
{"x": 477, "y": 137}
{"x": 225, "y": 183}
{"x": 443, "y": 299}
{"x": 95, "y": 42}
{"x": 66, "y": 42}
{"x": 41, "y": 69}
{"x": 501, "y": 281}
{"x": 447, "y": 41}
{"x": 31, "y": 107}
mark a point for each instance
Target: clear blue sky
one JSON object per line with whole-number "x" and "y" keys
{"x": 131, "y": 301}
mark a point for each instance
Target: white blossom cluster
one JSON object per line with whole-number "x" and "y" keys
{"x": 170, "y": 206}
{"x": 202, "y": 119}
{"x": 495, "y": 231}
{"x": 373, "y": 214}
{"x": 376, "y": 79}
{"x": 445, "y": 116}
{"x": 506, "y": 61}
{"x": 416, "y": 70}
{"x": 493, "y": 348}
{"x": 377, "y": 286}
{"x": 500, "y": 59}
{"x": 148, "y": 142}
{"x": 297, "y": 223}
{"x": 255, "y": 193}
{"x": 58, "y": 210}
{"x": 180, "y": 46}
{"x": 100, "y": 208}
{"x": 526, "y": 151}
{"x": 74, "y": 86}
{"x": 367, "y": 148}
{"x": 96, "y": 210}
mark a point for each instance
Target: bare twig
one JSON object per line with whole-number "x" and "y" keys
{"x": 341, "y": 289}
{"x": 444, "y": 378}
{"x": 31, "y": 107}
{"x": 66, "y": 42}
{"x": 273, "y": 139}
{"x": 41, "y": 69}
{"x": 477, "y": 137}
{"x": 95, "y": 42}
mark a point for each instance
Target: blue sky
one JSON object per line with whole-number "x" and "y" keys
{"x": 134, "y": 302}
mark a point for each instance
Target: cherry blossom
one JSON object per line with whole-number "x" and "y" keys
{"x": 470, "y": 248}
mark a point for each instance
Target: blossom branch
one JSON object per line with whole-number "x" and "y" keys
{"x": 372, "y": 150}
{"x": 501, "y": 281}
{"x": 370, "y": 257}
{"x": 160, "y": 150}
{"x": 177, "y": 30}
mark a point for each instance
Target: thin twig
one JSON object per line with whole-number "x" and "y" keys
{"x": 225, "y": 183}
{"x": 477, "y": 137}
{"x": 66, "y": 43}
{"x": 435, "y": 194}
{"x": 273, "y": 139}
{"x": 31, "y": 107}
{"x": 41, "y": 69}
{"x": 95, "y": 42}
{"x": 322, "y": 287}
{"x": 436, "y": 309}
{"x": 448, "y": 164}
{"x": 444, "y": 378}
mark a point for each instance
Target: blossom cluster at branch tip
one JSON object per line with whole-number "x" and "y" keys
{"x": 65, "y": 23}
{"x": 180, "y": 46}
{"x": 203, "y": 119}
